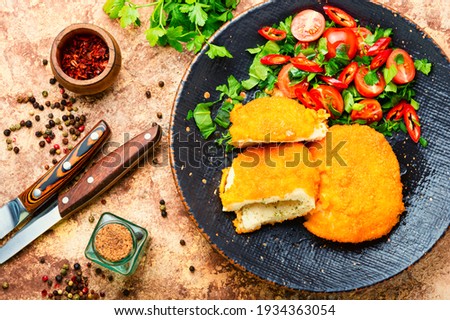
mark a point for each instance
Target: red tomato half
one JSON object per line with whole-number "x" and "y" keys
{"x": 371, "y": 112}
{"x": 369, "y": 91}
{"x": 380, "y": 59}
{"x": 348, "y": 74}
{"x": 307, "y": 99}
{"x": 361, "y": 34}
{"x": 405, "y": 70}
{"x": 339, "y": 16}
{"x": 330, "y": 98}
{"x": 308, "y": 25}
{"x": 284, "y": 85}
{"x": 340, "y": 36}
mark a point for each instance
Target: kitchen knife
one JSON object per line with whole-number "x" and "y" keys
{"x": 96, "y": 180}
{"x": 15, "y": 213}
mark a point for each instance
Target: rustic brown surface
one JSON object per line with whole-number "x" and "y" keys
{"x": 27, "y": 29}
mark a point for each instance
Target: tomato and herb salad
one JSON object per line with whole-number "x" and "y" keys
{"x": 328, "y": 61}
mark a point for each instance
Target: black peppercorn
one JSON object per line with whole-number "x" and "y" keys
{"x": 52, "y": 151}
{"x": 41, "y": 107}
{"x": 159, "y": 115}
{"x": 45, "y": 62}
{"x": 76, "y": 266}
{"x": 42, "y": 143}
{"x": 38, "y": 134}
{"x": 52, "y": 80}
{"x": 163, "y": 213}
{"x": 7, "y": 132}
{"x": 60, "y": 86}
{"x": 16, "y": 150}
{"x": 161, "y": 202}
{"x": 72, "y": 130}
{"x": 50, "y": 115}
{"x": 110, "y": 278}
{"x": 65, "y": 118}
{"x": 191, "y": 268}
{"x": 47, "y": 103}
{"x": 148, "y": 94}
{"x": 182, "y": 242}
{"x": 58, "y": 278}
{"x": 65, "y": 96}
{"x": 22, "y": 123}
{"x": 54, "y": 161}
{"x": 98, "y": 271}
{"x": 161, "y": 84}
{"x": 64, "y": 102}
{"x": 32, "y": 99}
{"x": 28, "y": 124}
{"x": 126, "y": 292}
{"x": 42, "y": 260}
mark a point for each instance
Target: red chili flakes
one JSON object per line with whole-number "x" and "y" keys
{"x": 84, "y": 57}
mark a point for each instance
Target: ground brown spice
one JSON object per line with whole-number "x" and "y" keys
{"x": 113, "y": 242}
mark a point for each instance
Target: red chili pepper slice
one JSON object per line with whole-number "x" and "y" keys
{"x": 304, "y": 64}
{"x": 272, "y": 59}
{"x": 338, "y": 84}
{"x": 396, "y": 113}
{"x": 307, "y": 99}
{"x": 379, "y": 46}
{"x": 412, "y": 122}
{"x": 272, "y": 34}
{"x": 380, "y": 59}
{"x": 348, "y": 74}
{"x": 339, "y": 16}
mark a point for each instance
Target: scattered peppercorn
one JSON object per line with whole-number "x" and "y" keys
{"x": 89, "y": 264}
{"x": 16, "y": 150}
{"x": 159, "y": 115}
{"x": 9, "y": 140}
{"x": 98, "y": 271}
{"x": 45, "y": 62}
{"x": 45, "y": 94}
{"x": 28, "y": 124}
{"x": 91, "y": 219}
{"x": 46, "y": 167}
{"x": 37, "y": 118}
{"x": 77, "y": 266}
{"x": 161, "y": 84}
{"x": 32, "y": 99}
{"x": 9, "y": 147}
{"x": 52, "y": 80}
{"x": 182, "y": 242}
{"x": 162, "y": 207}
{"x": 162, "y": 202}
{"x": 63, "y": 272}
{"x": 164, "y": 213}
{"x": 58, "y": 278}
{"x": 44, "y": 278}
{"x": 103, "y": 201}
{"x": 5, "y": 285}
{"x": 110, "y": 278}
{"x": 126, "y": 292}
{"x": 54, "y": 161}
{"x": 22, "y": 123}
{"x": 148, "y": 94}
{"x": 7, "y": 132}
{"x": 191, "y": 268}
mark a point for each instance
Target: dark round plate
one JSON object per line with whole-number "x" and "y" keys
{"x": 287, "y": 254}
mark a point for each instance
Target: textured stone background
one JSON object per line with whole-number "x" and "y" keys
{"x": 27, "y": 29}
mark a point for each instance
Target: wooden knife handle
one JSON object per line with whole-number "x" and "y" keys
{"x": 54, "y": 179}
{"x": 107, "y": 171}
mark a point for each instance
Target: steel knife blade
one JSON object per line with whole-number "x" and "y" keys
{"x": 17, "y": 211}
{"x": 95, "y": 181}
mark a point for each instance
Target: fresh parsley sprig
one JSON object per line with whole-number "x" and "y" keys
{"x": 181, "y": 24}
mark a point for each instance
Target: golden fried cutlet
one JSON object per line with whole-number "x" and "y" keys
{"x": 275, "y": 119}
{"x": 269, "y": 184}
{"x": 360, "y": 200}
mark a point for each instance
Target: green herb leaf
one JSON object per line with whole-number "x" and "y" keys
{"x": 399, "y": 59}
{"x": 197, "y": 15}
{"x": 203, "y": 120}
{"x": 358, "y": 106}
{"x": 257, "y": 71}
{"x": 190, "y": 115}
{"x": 322, "y": 48}
{"x": 128, "y": 15}
{"x": 154, "y": 34}
{"x": 390, "y": 87}
{"x": 254, "y": 50}
{"x": 348, "y": 100}
{"x": 423, "y": 142}
{"x": 233, "y": 89}
{"x": 389, "y": 73}
{"x": 215, "y": 51}
{"x": 414, "y": 104}
{"x": 113, "y": 7}
{"x": 371, "y": 78}
{"x": 423, "y": 66}
{"x": 364, "y": 60}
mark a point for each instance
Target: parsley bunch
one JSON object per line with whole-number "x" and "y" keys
{"x": 181, "y": 24}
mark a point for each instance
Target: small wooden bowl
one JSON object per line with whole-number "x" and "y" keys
{"x": 98, "y": 83}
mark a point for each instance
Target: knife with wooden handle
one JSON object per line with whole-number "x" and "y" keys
{"x": 95, "y": 181}
{"x": 19, "y": 210}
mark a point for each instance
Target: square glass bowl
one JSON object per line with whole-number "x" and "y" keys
{"x": 130, "y": 262}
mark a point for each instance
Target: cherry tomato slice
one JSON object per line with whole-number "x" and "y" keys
{"x": 272, "y": 34}
{"x": 307, "y": 99}
{"x": 330, "y": 98}
{"x": 339, "y": 16}
{"x": 404, "y": 64}
{"x": 302, "y": 63}
{"x": 380, "y": 59}
{"x": 273, "y": 59}
{"x": 371, "y": 112}
{"x": 284, "y": 84}
{"x": 396, "y": 113}
{"x": 378, "y": 46}
{"x": 337, "y": 37}
{"x": 308, "y": 25}
{"x": 412, "y": 122}
{"x": 348, "y": 74}
{"x": 366, "y": 90}
{"x": 338, "y": 84}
